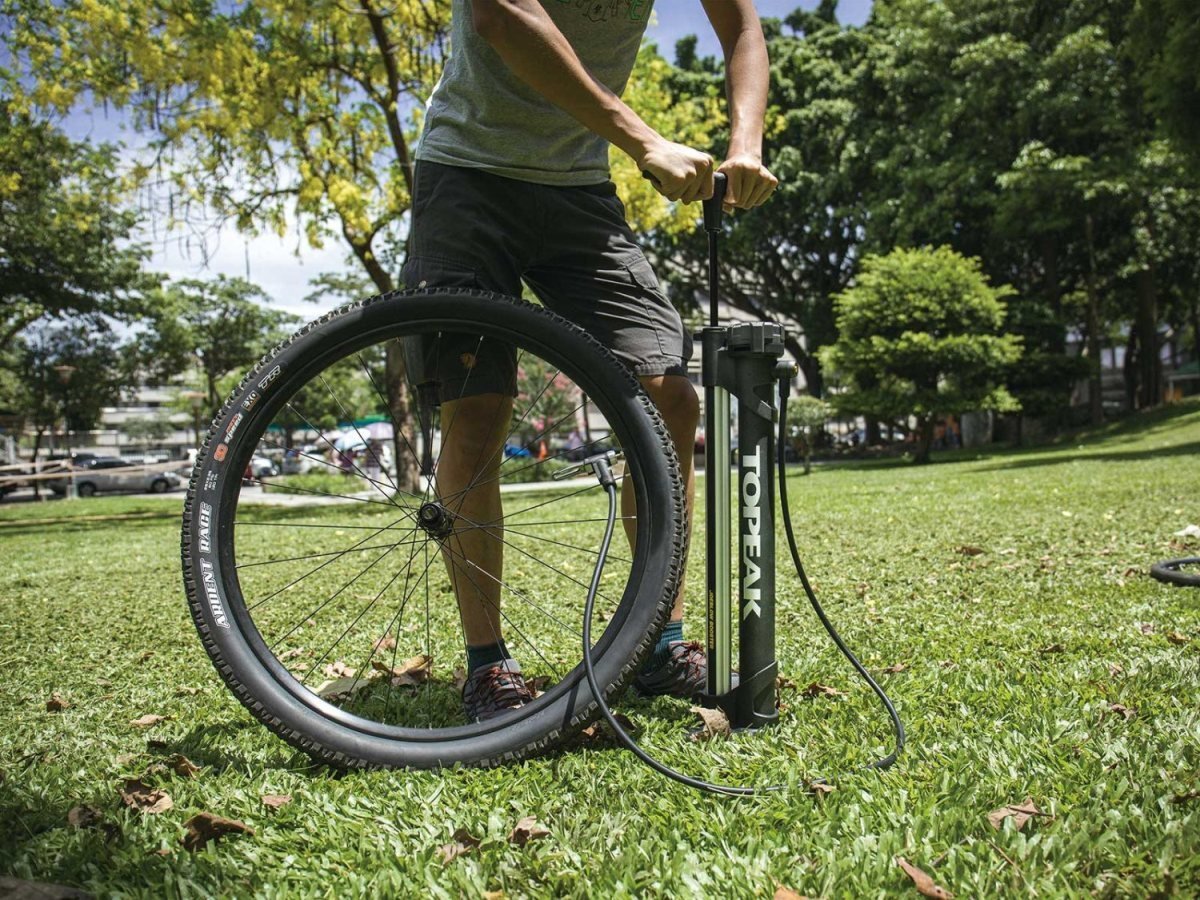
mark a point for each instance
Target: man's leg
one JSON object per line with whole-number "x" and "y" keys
{"x": 473, "y": 431}
{"x": 676, "y": 400}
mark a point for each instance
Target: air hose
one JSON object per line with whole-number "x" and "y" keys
{"x": 603, "y": 471}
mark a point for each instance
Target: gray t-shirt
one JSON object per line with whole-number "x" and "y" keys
{"x": 483, "y": 116}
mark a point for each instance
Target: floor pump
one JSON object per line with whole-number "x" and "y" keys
{"x": 743, "y": 364}
{"x": 740, "y": 364}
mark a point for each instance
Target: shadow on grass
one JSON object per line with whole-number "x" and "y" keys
{"x": 1067, "y": 447}
{"x": 1051, "y": 458}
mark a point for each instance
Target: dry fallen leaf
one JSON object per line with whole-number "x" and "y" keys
{"x": 1020, "y": 813}
{"x": 204, "y": 827}
{"x": 341, "y": 688}
{"x": 600, "y": 730}
{"x": 526, "y": 830}
{"x": 84, "y": 817}
{"x": 275, "y": 801}
{"x": 493, "y": 895}
{"x": 460, "y": 678}
{"x": 948, "y": 664}
{"x": 1115, "y": 669}
{"x": 821, "y": 788}
{"x": 1052, "y": 648}
{"x": 923, "y": 883}
{"x": 291, "y": 654}
{"x": 56, "y": 703}
{"x": 136, "y": 794}
{"x": 338, "y": 669}
{"x": 412, "y": 672}
{"x": 1125, "y": 711}
{"x": 1178, "y": 638}
{"x": 1186, "y": 797}
{"x": 895, "y": 669}
{"x": 714, "y": 722}
{"x": 822, "y": 690}
{"x": 461, "y": 843}
{"x": 387, "y": 642}
{"x": 786, "y": 893}
{"x": 1146, "y": 627}
{"x": 186, "y": 691}
{"x": 145, "y": 656}
{"x": 148, "y": 720}
{"x": 181, "y": 765}
{"x": 968, "y": 550}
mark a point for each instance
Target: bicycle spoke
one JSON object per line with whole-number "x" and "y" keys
{"x": 515, "y": 593}
{"x": 532, "y": 646}
{"x": 388, "y": 407}
{"x": 377, "y": 532}
{"x": 321, "y": 434}
{"x": 331, "y": 598}
{"x": 291, "y": 487}
{"x": 365, "y": 610}
{"x": 508, "y": 529}
{"x": 272, "y": 562}
{"x": 541, "y": 562}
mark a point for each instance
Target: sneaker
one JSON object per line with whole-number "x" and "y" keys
{"x": 493, "y": 690}
{"x": 684, "y": 674}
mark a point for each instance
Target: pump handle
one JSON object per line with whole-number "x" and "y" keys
{"x": 713, "y": 208}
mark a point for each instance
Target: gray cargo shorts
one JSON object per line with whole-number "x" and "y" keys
{"x": 571, "y": 245}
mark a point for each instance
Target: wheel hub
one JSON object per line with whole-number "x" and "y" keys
{"x": 435, "y": 519}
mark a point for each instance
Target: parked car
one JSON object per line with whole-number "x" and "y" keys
{"x": 261, "y": 467}
{"x": 111, "y": 473}
{"x": 298, "y": 461}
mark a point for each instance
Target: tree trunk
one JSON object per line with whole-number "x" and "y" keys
{"x": 1095, "y": 379}
{"x": 399, "y": 397}
{"x": 925, "y": 426}
{"x": 1132, "y": 351}
{"x": 1196, "y": 328}
{"x": 408, "y": 471}
{"x": 587, "y": 424}
{"x": 810, "y": 366}
{"x": 1149, "y": 370}
{"x": 37, "y": 446}
{"x": 873, "y": 437}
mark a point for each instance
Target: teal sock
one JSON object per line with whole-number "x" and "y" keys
{"x": 662, "y": 652}
{"x": 486, "y": 655}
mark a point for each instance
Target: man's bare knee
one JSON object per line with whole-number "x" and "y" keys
{"x": 676, "y": 399}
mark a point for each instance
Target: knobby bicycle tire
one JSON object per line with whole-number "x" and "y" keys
{"x": 276, "y": 694}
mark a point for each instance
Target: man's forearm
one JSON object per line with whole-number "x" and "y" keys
{"x": 747, "y": 80}
{"x": 530, "y": 44}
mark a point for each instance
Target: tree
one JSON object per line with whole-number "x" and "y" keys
{"x": 806, "y": 416}
{"x": 68, "y": 374}
{"x": 919, "y": 335}
{"x": 275, "y": 111}
{"x": 148, "y": 430}
{"x": 1165, "y": 35}
{"x": 66, "y": 245}
{"x": 218, "y": 328}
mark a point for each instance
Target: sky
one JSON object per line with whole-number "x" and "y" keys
{"x": 284, "y": 266}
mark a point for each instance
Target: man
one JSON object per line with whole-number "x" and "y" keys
{"x": 512, "y": 183}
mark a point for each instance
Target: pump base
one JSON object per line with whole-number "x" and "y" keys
{"x": 750, "y": 705}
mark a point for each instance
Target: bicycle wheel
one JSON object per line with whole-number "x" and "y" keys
{"x": 336, "y": 624}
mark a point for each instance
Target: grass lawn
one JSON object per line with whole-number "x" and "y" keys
{"x": 1036, "y": 658}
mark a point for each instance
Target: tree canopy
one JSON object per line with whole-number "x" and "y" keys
{"x": 66, "y": 235}
{"x": 920, "y": 333}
